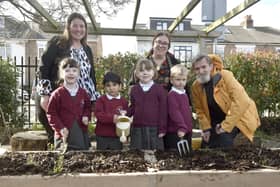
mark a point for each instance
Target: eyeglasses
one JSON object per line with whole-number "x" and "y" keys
{"x": 159, "y": 42}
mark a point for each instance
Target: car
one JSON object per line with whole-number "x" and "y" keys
{"x": 22, "y": 95}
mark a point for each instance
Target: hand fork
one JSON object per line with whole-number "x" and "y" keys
{"x": 183, "y": 147}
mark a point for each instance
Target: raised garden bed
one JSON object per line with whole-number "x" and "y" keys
{"x": 53, "y": 163}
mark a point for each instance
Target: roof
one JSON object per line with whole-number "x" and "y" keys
{"x": 255, "y": 35}
{"x": 18, "y": 30}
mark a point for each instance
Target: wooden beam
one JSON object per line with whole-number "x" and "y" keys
{"x": 136, "y": 14}
{"x": 129, "y": 32}
{"x": 90, "y": 14}
{"x": 42, "y": 12}
{"x": 183, "y": 14}
{"x": 234, "y": 12}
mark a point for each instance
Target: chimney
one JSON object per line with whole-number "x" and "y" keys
{"x": 248, "y": 22}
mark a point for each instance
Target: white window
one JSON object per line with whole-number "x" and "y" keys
{"x": 5, "y": 50}
{"x": 184, "y": 54}
{"x": 161, "y": 26}
{"x": 180, "y": 27}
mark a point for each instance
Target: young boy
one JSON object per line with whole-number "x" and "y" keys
{"x": 69, "y": 109}
{"x": 179, "y": 112}
{"x": 107, "y": 110}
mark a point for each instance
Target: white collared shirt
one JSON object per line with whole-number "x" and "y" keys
{"x": 178, "y": 91}
{"x": 146, "y": 87}
{"x": 72, "y": 91}
{"x": 111, "y": 97}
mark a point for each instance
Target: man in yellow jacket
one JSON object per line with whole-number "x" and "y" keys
{"x": 221, "y": 103}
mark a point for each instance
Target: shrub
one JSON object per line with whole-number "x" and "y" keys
{"x": 122, "y": 64}
{"x": 259, "y": 73}
{"x": 8, "y": 85}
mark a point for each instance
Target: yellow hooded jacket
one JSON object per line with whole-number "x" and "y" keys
{"x": 232, "y": 98}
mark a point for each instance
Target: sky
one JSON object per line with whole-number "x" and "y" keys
{"x": 264, "y": 13}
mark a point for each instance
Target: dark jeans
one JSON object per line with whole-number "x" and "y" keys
{"x": 44, "y": 120}
{"x": 224, "y": 140}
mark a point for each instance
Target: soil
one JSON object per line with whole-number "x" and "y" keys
{"x": 53, "y": 163}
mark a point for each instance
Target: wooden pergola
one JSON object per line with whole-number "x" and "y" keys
{"x": 51, "y": 26}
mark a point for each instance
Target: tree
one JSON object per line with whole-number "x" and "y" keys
{"x": 60, "y": 9}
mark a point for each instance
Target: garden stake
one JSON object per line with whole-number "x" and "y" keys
{"x": 183, "y": 147}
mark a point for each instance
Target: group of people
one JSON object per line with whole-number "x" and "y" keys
{"x": 159, "y": 100}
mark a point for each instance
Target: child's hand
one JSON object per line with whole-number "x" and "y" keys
{"x": 180, "y": 134}
{"x": 160, "y": 135}
{"x": 85, "y": 120}
{"x": 64, "y": 132}
{"x": 115, "y": 118}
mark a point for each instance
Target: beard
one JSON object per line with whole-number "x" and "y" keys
{"x": 204, "y": 78}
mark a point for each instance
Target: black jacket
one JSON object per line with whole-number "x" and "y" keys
{"x": 54, "y": 53}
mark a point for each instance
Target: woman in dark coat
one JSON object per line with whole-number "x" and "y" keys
{"x": 73, "y": 43}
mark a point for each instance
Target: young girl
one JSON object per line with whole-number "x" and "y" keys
{"x": 148, "y": 108}
{"x": 107, "y": 109}
{"x": 179, "y": 111}
{"x": 69, "y": 109}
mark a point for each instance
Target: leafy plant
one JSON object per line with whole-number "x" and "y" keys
{"x": 121, "y": 64}
{"x": 259, "y": 73}
{"x": 8, "y": 101}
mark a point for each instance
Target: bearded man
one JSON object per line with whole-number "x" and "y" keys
{"x": 221, "y": 103}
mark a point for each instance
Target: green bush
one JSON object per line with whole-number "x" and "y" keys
{"x": 8, "y": 85}
{"x": 121, "y": 64}
{"x": 259, "y": 73}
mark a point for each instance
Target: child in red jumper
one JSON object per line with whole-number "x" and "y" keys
{"x": 148, "y": 108}
{"x": 179, "y": 111}
{"x": 69, "y": 109}
{"x": 107, "y": 110}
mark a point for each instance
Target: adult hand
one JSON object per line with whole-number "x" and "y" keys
{"x": 180, "y": 134}
{"x": 206, "y": 136}
{"x": 219, "y": 129}
{"x": 44, "y": 101}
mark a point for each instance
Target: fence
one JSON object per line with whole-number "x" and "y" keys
{"x": 27, "y": 80}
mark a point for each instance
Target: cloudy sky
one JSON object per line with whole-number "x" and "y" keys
{"x": 264, "y": 13}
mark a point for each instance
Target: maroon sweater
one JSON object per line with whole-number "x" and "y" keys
{"x": 149, "y": 109}
{"x": 64, "y": 109}
{"x": 105, "y": 110}
{"x": 179, "y": 113}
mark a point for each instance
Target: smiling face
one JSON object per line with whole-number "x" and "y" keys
{"x": 202, "y": 69}
{"x": 77, "y": 29}
{"x": 160, "y": 45}
{"x": 70, "y": 75}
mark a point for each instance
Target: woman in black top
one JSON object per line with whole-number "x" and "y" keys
{"x": 73, "y": 43}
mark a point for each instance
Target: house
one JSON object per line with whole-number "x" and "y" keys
{"x": 24, "y": 40}
{"x": 183, "y": 48}
{"x": 246, "y": 38}
{"x": 230, "y": 39}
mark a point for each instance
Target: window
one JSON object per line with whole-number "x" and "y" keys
{"x": 5, "y": 50}
{"x": 180, "y": 27}
{"x": 161, "y": 26}
{"x": 184, "y": 54}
